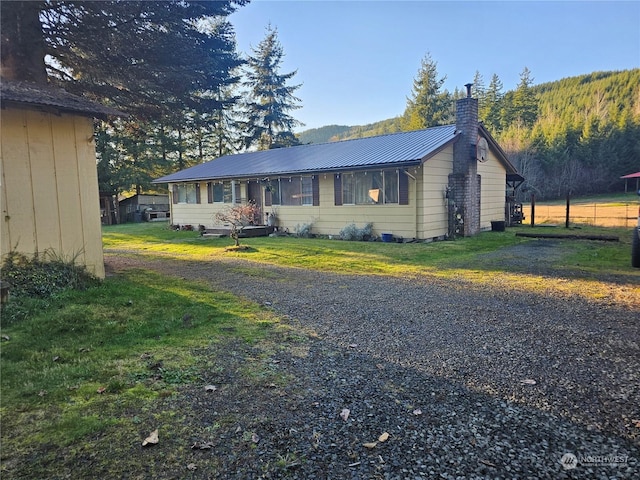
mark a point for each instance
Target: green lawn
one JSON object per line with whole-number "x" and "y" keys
{"x": 437, "y": 258}
{"x": 84, "y": 364}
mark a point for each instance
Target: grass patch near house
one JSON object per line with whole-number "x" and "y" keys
{"x": 488, "y": 258}
{"x": 86, "y": 365}
{"x": 373, "y": 257}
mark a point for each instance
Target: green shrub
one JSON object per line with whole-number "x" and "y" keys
{"x": 352, "y": 232}
{"x": 304, "y": 230}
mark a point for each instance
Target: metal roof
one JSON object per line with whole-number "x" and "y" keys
{"x": 395, "y": 149}
{"x": 632, "y": 175}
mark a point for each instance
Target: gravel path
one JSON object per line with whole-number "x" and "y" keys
{"x": 468, "y": 381}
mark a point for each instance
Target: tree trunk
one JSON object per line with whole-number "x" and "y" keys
{"x": 23, "y": 46}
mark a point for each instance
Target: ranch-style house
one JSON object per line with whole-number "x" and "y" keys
{"x": 425, "y": 184}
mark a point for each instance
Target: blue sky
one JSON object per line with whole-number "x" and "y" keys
{"x": 356, "y": 60}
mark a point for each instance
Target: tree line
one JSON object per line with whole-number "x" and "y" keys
{"x": 171, "y": 66}
{"x": 574, "y": 136}
{"x": 189, "y": 96}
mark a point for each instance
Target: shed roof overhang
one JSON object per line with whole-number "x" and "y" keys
{"x": 22, "y": 94}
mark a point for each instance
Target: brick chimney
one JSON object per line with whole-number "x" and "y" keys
{"x": 464, "y": 182}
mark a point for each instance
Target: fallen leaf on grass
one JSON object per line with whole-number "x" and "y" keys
{"x": 370, "y": 444}
{"x": 192, "y": 467}
{"x": 152, "y": 439}
{"x": 202, "y": 446}
{"x": 636, "y": 423}
{"x": 344, "y": 414}
{"x": 384, "y": 437}
{"x": 101, "y": 390}
{"x": 6, "y": 337}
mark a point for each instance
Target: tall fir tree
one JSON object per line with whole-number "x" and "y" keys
{"x": 478, "y": 90}
{"x": 270, "y": 99}
{"x": 428, "y": 105}
{"x": 525, "y": 103}
{"x": 490, "y": 112}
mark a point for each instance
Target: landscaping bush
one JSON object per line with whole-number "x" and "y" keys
{"x": 304, "y": 230}
{"x": 352, "y": 232}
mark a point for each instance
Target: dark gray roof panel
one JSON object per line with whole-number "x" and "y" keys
{"x": 393, "y": 149}
{"x": 27, "y": 93}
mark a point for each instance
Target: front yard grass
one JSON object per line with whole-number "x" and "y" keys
{"x": 88, "y": 365}
{"x": 451, "y": 258}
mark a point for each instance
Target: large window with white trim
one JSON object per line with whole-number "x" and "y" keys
{"x": 370, "y": 187}
{"x": 222, "y": 192}
{"x": 185, "y": 193}
{"x": 292, "y": 191}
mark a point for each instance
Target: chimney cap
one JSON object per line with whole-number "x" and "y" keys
{"x": 468, "y": 85}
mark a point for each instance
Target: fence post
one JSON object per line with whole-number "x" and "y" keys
{"x": 566, "y": 219}
{"x": 533, "y": 209}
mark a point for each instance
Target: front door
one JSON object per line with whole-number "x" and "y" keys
{"x": 254, "y": 194}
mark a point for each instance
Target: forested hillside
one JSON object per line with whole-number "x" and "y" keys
{"x": 577, "y": 135}
{"x": 322, "y": 134}
{"x": 586, "y": 134}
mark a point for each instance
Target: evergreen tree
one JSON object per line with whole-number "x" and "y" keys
{"x": 268, "y": 123}
{"x": 490, "y": 111}
{"x": 141, "y": 57}
{"x": 525, "y": 104}
{"x": 225, "y": 124}
{"x": 160, "y": 61}
{"x": 428, "y": 105}
{"x": 478, "y": 90}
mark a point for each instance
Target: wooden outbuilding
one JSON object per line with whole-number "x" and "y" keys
{"x": 49, "y": 181}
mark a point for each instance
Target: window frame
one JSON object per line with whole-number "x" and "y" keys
{"x": 303, "y": 189}
{"x": 359, "y": 186}
{"x": 187, "y": 193}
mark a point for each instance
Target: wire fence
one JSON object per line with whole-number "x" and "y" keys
{"x": 595, "y": 214}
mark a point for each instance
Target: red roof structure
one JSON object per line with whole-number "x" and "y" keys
{"x": 632, "y": 175}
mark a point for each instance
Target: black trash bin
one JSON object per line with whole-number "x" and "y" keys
{"x": 497, "y": 225}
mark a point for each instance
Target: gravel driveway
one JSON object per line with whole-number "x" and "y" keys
{"x": 468, "y": 381}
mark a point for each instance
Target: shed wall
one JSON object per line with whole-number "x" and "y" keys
{"x": 50, "y": 187}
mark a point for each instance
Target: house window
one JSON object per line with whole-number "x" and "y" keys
{"x": 307, "y": 191}
{"x": 222, "y": 192}
{"x": 186, "y": 193}
{"x": 292, "y": 191}
{"x": 370, "y": 188}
